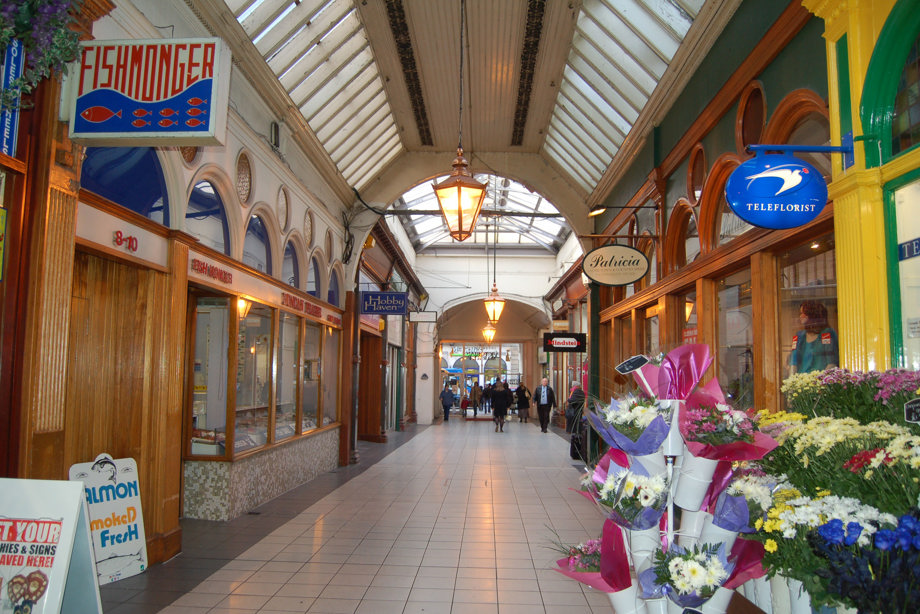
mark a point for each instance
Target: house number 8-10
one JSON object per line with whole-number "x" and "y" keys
{"x": 130, "y": 243}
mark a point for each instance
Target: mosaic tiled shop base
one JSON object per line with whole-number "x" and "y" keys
{"x": 221, "y": 490}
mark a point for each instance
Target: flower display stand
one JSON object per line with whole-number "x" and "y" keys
{"x": 718, "y": 603}
{"x": 627, "y": 601}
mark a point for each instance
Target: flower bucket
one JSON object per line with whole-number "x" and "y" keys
{"x": 695, "y": 476}
{"x": 691, "y": 524}
{"x": 627, "y": 601}
{"x": 799, "y": 600}
{"x": 718, "y": 603}
{"x": 673, "y": 444}
{"x": 642, "y": 547}
{"x": 712, "y": 534}
{"x": 758, "y": 592}
{"x": 657, "y": 606}
{"x": 674, "y": 608}
{"x": 653, "y": 463}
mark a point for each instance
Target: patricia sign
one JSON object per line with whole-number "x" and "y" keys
{"x": 565, "y": 342}
{"x": 151, "y": 92}
{"x": 776, "y": 191}
{"x": 615, "y": 265}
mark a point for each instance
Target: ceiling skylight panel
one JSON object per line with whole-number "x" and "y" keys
{"x": 347, "y": 137}
{"x": 314, "y": 44}
{"x": 357, "y": 151}
{"x": 609, "y": 90}
{"x": 595, "y": 126}
{"x": 560, "y": 151}
{"x": 573, "y": 81}
{"x": 603, "y": 64}
{"x": 610, "y": 25}
{"x": 582, "y": 130}
{"x": 302, "y": 28}
{"x": 672, "y": 15}
{"x": 577, "y": 100}
{"x": 260, "y": 17}
{"x": 646, "y": 26}
{"x": 347, "y": 120}
{"x": 377, "y": 142}
{"x": 322, "y": 84}
{"x": 594, "y": 43}
{"x": 363, "y": 175}
{"x": 321, "y": 63}
{"x": 242, "y": 8}
{"x": 349, "y": 99}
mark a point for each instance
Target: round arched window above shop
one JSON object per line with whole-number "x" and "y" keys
{"x": 308, "y": 229}
{"x": 283, "y": 208}
{"x": 696, "y": 174}
{"x": 243, "y": 178}
{"x": 752, "y": 116}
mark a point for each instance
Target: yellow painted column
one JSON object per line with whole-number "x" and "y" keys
{"x": 859, "y": 232}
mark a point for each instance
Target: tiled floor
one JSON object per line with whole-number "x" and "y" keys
{"x": 445, "y": 519}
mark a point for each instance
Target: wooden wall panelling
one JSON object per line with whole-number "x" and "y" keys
{"x": 768, "y": 374}
{"x": 670, "y": 314}
{"x": 369, "y": 383}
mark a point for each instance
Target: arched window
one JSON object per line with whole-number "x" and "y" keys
{"x": 313, "y": 278}
{"x": 290, "y": 270}
{"x": 333, "y": 294}
{"x": 905, "y": 122}
{"x": 256, "y": 248}
{"x": 128, "y": 176}
{"x": 205, "y": 218}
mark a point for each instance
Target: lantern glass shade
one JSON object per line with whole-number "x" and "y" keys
{"x": 488, "y": 333}
{"x": 242, "y": 306}
{"x": 494, "y": 305}
{"x": 460, "y": 198}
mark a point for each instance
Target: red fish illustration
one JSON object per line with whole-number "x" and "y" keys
{"x": 166, "y": 123}
{"x": 98, "y": 115}
{"x": 195, "y": 112}
{"x": 141, "y": 112}
{"x": 193, "y": 122}
{"x": 139, "y": 123}
{"x": 197, "y": 101}
{"x": 167, "y": 112}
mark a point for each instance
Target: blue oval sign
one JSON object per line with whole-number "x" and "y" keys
{"x": 776, "y": 191}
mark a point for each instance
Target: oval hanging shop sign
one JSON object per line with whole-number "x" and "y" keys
{"x": 776, "y": 191}
{"x": 615, "y": 265}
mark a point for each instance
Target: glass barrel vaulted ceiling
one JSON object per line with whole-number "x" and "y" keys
{"x": 614, "y": 64}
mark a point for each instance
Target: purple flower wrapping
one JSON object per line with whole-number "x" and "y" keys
{"x": 646, "y": 518}
{"x": 649, "y": 441}
{"x": 732, "y": 513}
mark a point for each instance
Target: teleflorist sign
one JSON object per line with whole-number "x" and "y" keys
{"x": 776, "y": 191}
{"x": 151, "y": 92}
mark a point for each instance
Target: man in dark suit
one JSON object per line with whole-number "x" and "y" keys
{"x": 545, "y": 399}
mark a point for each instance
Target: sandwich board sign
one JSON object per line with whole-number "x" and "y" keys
{"x": 46, "y": 557}
{"x": 115, "y": 519}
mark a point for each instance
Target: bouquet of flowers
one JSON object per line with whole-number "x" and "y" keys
{"x": 713, "y": 430}
{"x": 688, "y": 577}
{"x": 637, "y": 500}
{"x": 746, "y": 499}
{"x": 599, "y": 563}
{"x": 636, "y": 424}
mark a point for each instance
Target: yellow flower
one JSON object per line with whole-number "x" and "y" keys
{"x": 869, "y": 474}
{"x": 758, "y": 523}
{"x": 769, "y": 545}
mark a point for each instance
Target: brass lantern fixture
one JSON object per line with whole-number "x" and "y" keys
{"x": 488, "y": 332}
{"x": 494, "y": 302}
{"x": 460, "y": 196}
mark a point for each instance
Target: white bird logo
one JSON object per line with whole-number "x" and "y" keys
{"x": 790, "y": 178}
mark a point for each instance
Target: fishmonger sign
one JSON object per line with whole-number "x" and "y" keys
{"x": 151, "y": 92}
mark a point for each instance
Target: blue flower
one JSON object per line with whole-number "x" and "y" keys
{"x": 885, "y": 539}
{"x": 910, "y": 523}
{"x": 854, "y": 530}
{"x": 905, "y": 539}
{"x": 832, "y": 532}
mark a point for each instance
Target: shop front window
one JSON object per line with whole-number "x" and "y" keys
{"x": 309, "y": 403}
{"x": 286, "y": 392}
{"x": 808, "y": 307}
{"x": 330, "y": 380}
{"x": 689, "y": 332}
{"x": 209, "y": 376}
{"x": 905, "y": 121}
{"x": 906, "y": 204}
{"x": 252, "y": 379}
{"x": 736, "y": 348}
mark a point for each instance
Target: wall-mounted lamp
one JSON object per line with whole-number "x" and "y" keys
{"x": 242, "y": 307}
{"x": 596, "y": 210}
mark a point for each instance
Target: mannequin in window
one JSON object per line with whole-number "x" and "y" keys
{"x": 815, "y": 346}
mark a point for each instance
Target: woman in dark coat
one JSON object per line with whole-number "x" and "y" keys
{"x": 523, "y": 402}
{"x": 501, "y": 399}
